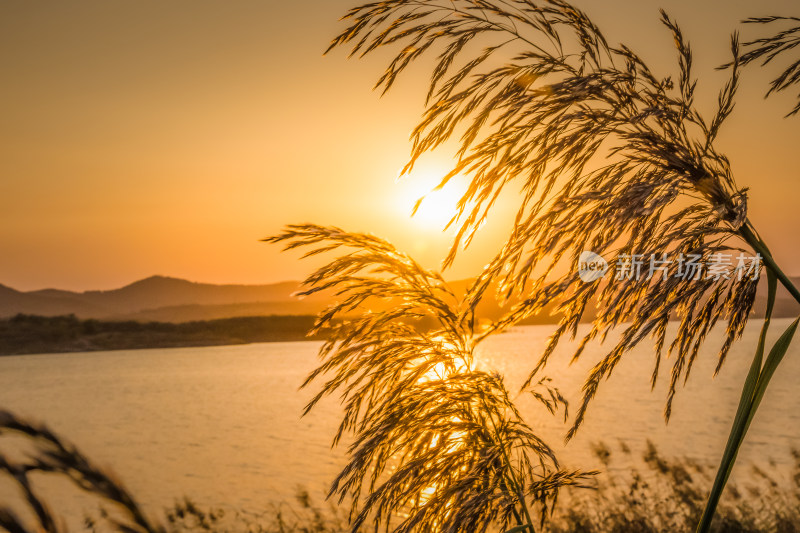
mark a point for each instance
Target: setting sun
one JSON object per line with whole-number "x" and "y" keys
{"x": 435, "y": 207}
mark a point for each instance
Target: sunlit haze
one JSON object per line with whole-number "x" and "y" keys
{"x": 142, "y": 138}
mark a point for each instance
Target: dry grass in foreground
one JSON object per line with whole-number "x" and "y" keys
{"x": 644, "y": 494}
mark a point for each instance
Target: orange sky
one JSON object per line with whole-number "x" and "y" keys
{"x": 141, "y": 138}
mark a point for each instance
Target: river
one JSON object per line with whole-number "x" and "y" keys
{"x": 223, "y": 426}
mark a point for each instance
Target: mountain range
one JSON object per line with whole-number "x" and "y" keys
{"x": 165, "y": 299}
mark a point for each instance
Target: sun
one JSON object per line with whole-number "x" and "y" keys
{"x": 437, "y": 206}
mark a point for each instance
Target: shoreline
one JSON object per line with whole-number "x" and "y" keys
{"x": 33, "y": 334}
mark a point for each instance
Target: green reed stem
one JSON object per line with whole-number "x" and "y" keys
{"x": 749, "y": 234}
{"x": 758, "y": 376}
{"x": 739, "y": 428}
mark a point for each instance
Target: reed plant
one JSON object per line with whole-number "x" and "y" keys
{"x": 650, "y": 493}
{"x": 50, "y": 455}
{"x": 38, "y": 453}
{"x": 437, "y": 444}
{"x": 776, "y": 46}
{"x": 610, "y": 156}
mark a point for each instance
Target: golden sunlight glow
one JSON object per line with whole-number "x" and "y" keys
{"x": 455, "y": 441}
{"x": 437, "y": 206}
{"x": 427, "y": 494}
{"x": 440, "y": 370}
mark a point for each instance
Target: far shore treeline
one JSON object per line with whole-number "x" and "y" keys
{"x": 30, "y": 334}
{"x": 161, "y": 312}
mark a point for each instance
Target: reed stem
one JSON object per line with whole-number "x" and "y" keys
{"x": 757, "y": 378}
{"x": 744, "y": 413}
{"x": 515, "y": 489}
{"x": 750, "y": 235}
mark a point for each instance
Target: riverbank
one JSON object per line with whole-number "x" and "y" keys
{"x": 31, "y": 334}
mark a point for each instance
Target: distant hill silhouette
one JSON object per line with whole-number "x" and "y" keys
{"x": 165, "y": 299}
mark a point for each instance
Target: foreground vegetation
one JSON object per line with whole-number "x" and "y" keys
{"x": 28, "y": 334}
{"x": 646, "y": 494}
{"x": 653, "y": 493}
{"x": 637, "y": 494}
{"x": 612, "y": 159}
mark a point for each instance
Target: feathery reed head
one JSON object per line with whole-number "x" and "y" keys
{"x": 437, "y": 444}
{"x": 610, "y": 157}
{"x": 767, "y": 49}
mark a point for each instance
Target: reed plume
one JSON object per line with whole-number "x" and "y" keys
{"x": 54, "y": 456}
{"x": 438, "y": 445}
{"x": 779, "y": 44}
{"x": 611, "y": 157}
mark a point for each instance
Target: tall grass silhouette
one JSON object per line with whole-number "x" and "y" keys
{"x": 777, "y": 45}
{"x": 570, "y": 102}
{"x": 610, "y": 156}
{"x": 52, "y": 455}
{"x": 438, "y": 445}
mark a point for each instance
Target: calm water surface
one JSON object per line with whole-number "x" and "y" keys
{"x": 223, "y": 425}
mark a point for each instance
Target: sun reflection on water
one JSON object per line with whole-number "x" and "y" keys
{"x": 457, "y": 363}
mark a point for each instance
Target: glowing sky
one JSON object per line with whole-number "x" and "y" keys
{"x": 141, "y": 138}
